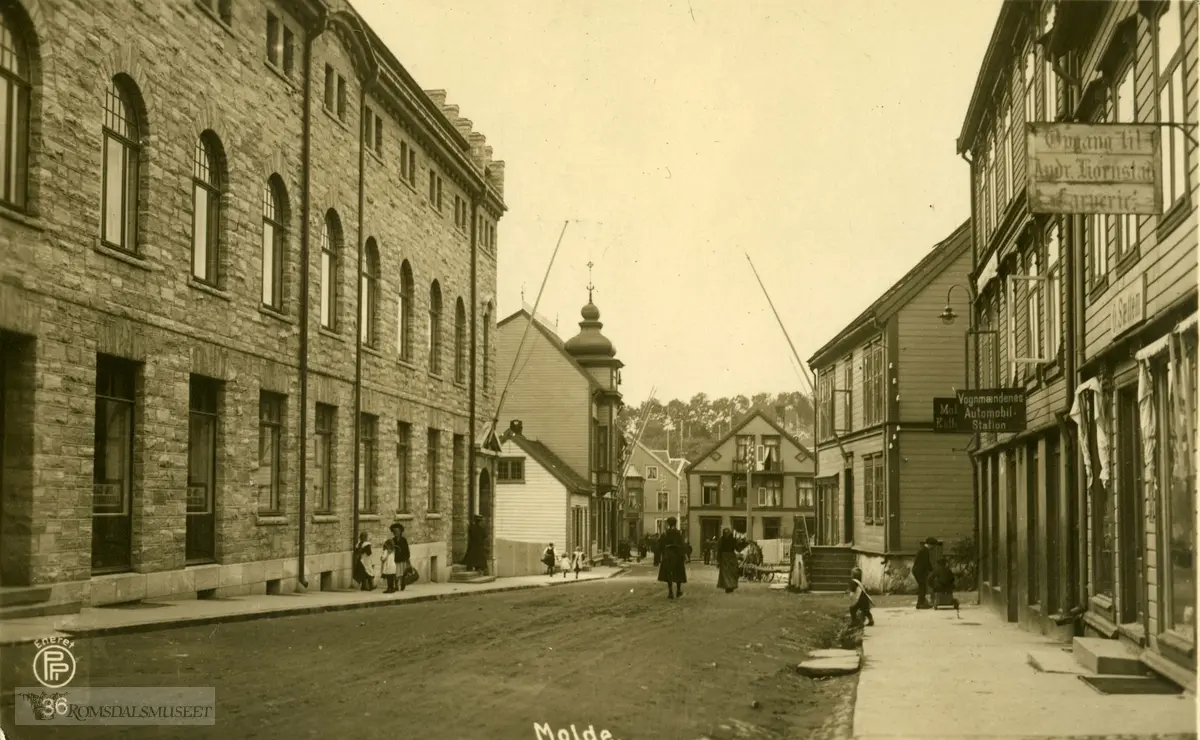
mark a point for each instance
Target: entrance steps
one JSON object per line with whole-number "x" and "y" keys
{"x": 23, "y": 602}
{"x": 463, "y": 574}
{"x": 1106, "y": 657}
{"x": 829, "y": 568}
{"x": 1088, "y": 656}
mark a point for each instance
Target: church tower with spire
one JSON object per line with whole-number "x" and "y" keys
{"x": 592, "y": 350}
{"x": 598, "y": 357}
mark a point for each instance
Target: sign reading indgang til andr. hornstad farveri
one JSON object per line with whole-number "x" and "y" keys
{"x": 1101, "y": 168}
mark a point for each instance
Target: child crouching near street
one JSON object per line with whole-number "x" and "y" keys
{"x": 388, "y": 566}
{"x": 860, "y": 600}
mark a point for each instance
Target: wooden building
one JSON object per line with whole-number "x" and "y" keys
{"x": 780, "y": 470}
{"x": 539, "y": 500}
{"x": 567, "y": 395}
{"x": 663, "y": 491}
{"x": 1088, "y": 516}
{"x": 884, "y": 480}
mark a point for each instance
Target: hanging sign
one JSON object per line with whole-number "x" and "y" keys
{"x": 1093, "y": 168}
{"x": 995, "y": 410}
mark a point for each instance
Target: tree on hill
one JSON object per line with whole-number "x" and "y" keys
{"x": 690, "y": 427}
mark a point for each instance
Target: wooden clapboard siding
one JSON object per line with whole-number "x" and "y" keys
{"x": 549, "y": 394}
{"x": 868, "y": 537}
{"x": 1043, "y": 400}
{"x": 932, "y": 354}
{"x": 1169, "y": 265}
{"x": 935, "y": 488}
{"x": 533, "y": 511}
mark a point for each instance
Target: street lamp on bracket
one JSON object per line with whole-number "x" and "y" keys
{"x": 948, "y": 315}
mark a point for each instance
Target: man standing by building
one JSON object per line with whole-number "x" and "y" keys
{"x": 922, "y": 568}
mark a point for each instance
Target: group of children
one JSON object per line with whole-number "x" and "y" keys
{"x": 941, "y": 583}
{"x": 567, "y": 563}
{"x": 393, "y": 564}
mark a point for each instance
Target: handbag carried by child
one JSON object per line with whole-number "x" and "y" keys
{"x": 410, "y": 576}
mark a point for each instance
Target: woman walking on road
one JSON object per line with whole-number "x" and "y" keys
{"x": 670, "y": 554}
{"x": 727, "y": 563}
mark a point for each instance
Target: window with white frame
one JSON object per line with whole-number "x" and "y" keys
{"x": 1054, "y": 289}
{"x": 1172, "y": 104}
{"x": 710, "y": 491}
{"x": 847, "y": 396}
{"x": 770, "y": 494}
{"x": 1096, "y": 247}
{"x": 651, "y": 472}
{"x": 1029, "y": 85}
{"x": 659, "y": 525}
{"x": 874, "y": 406}
{"x": 664, "y": 501}
{"x": 1006, "y": 165}
{"x": 1123, "y": 229}
{"x": 804, "y": 493}
{"x": 1033, "y": 306}
{"x": 825, "y": 404}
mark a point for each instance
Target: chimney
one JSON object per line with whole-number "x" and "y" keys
{"x": 495, "y": 176}
{"x": 437, "y": 96}
{"x": 464, "y": 126}
{"x": 451, "y": 112}
{"x": 515, "y": 426}
{"x": 478, "y": 148}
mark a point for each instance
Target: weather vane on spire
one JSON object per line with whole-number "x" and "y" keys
{"x": 590, "y": 286}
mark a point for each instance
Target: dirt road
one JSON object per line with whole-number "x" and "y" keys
{"x": 614, "y": 655}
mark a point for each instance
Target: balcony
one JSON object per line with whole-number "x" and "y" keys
{"x": 771, "y": 467}
{"x": 605, "y": 480}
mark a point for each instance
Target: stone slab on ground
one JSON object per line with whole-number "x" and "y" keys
{"x": 925, "y": 666}
{"x": 836, "y": 666}
{"x": 1056, "y": 660}
{"x": 95, "y": 622}
{"x": 833, "y": 653}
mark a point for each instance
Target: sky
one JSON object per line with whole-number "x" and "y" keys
{"x": 675, "y": 138}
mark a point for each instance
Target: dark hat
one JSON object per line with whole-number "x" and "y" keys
{"x": 932, "y": 541}
{"x": 397, "y": 525}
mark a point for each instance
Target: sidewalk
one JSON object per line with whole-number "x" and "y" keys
{"x": 155, "y": 615}
{"x": 928, "y": 674}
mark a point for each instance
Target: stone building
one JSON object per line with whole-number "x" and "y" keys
{"x": 247, "y": 271}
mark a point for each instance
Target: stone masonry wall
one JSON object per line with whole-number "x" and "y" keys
{"x": 188, "y": 73}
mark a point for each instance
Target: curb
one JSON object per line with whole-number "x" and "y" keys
{"x": 125, "y": 629}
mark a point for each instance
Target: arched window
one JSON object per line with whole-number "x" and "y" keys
{"x": 274, "y": 217}
{"x": 487, "y": 346}
{"x": 206, "y": 209}
{"x": 122, "y": 155}
{"x": 404, "y": 314}
{"x": 369, "y": 300}
{"x": 14, "y": 111}
{"x": 435, "y": 328}
{"x": 331, "y": 243}
{"x": 460, "y": 341}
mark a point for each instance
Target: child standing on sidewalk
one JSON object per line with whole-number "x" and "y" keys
{"x": 576, "y": 562}
{"x": 387, "y": 565}
{"x": 860, "y": 600}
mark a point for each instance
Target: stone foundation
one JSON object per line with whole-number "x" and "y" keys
{"x": 325, "y": 572}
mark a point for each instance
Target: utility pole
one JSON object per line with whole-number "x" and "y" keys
{"x": 749, "y": 501}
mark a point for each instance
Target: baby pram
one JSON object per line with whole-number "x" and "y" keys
{"x": 942, "y": 584}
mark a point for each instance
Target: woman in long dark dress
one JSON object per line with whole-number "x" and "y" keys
{"x": 670, "y": 554}
{"x": 728, "y": 547}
